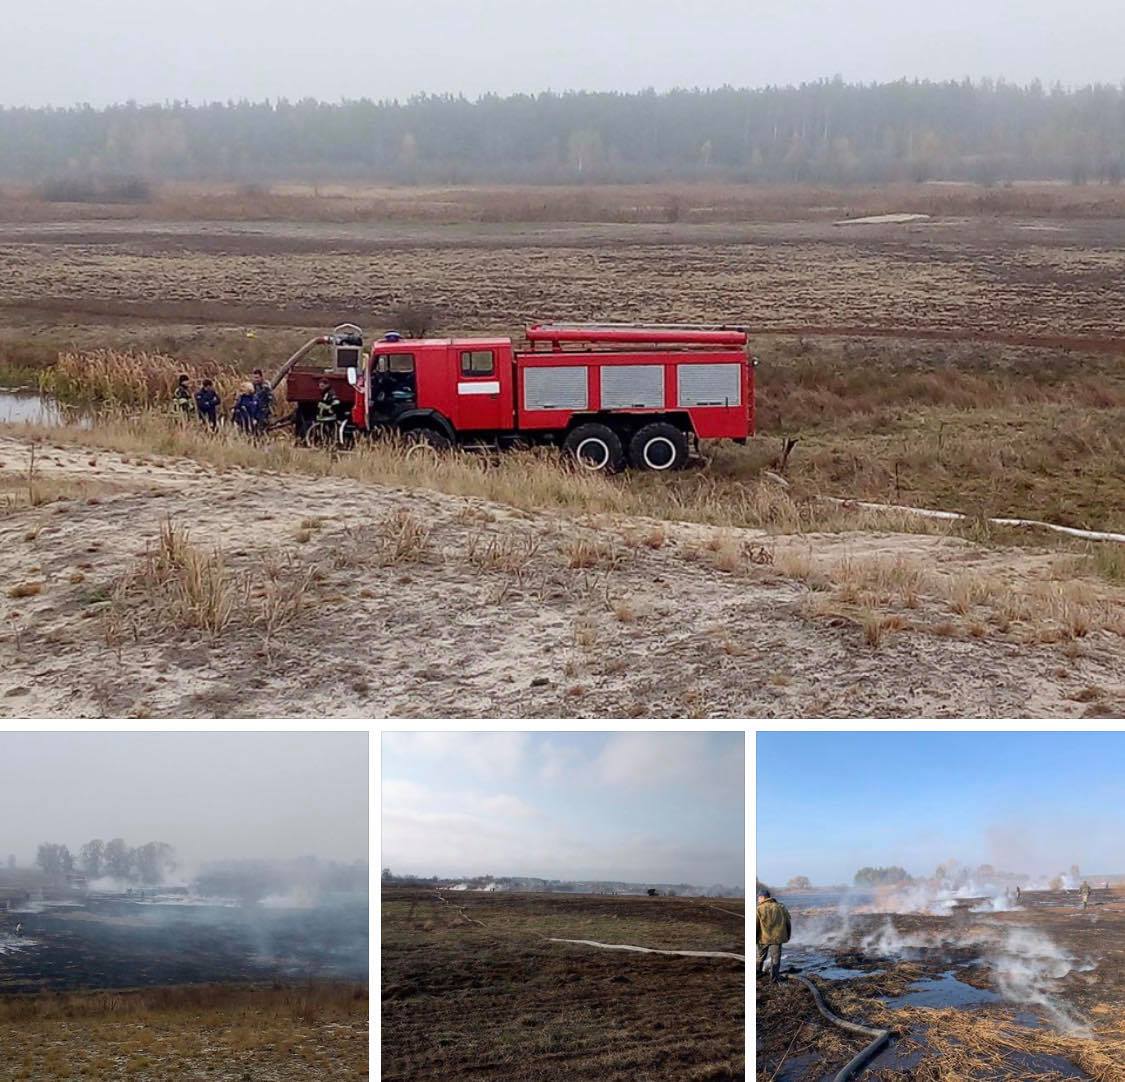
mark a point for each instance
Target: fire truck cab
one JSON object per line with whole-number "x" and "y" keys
{"x": 609, "y": 395}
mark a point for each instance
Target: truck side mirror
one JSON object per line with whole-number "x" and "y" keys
{"x": 352, "y": 376}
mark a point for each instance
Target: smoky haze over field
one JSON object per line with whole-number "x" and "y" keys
{"x": 211, "y": 50}
{"x": 212, "y": 796}
{"x": 636, "y": 807}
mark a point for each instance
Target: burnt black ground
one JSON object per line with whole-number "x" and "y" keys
{"x": 119, "y": 944}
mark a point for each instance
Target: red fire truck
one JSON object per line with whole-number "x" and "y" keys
{"x": 609, "y": 395}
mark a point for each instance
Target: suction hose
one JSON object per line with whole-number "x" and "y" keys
{"x": 879, "y": 1036}
{"x": 283, "y": 371}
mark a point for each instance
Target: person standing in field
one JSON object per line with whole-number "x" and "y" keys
{"x": 1085, "y": 895}
{"x": 207, "y": 403}
{"x": 182, "y": 401}
{"x": 245, "y": 412}
{"x": 264, "y": 394}
{"x": 774, "y": 928}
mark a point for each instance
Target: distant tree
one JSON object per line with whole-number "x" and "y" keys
{"x": 799, "y": 882}
{"x": 55, "y": 860}
{"x": 874, "y": 877}
{"x": 388, "y": 875}
{"x": 117, "y": 859}
{"x": 90, "y": 858}
{"x": 152, "y": 861}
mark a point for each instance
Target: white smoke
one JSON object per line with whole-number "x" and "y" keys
{"x": 1024, "y": 964}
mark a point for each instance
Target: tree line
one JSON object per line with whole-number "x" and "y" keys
{"x": 148, "y": 863}
{"x": 824, "y": 132}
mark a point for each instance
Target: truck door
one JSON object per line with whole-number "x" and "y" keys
{"x": 483, "y": 389}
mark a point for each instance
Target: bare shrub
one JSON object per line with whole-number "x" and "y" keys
{"x": 96, "y": 189}
{"x": 414, "y": 318}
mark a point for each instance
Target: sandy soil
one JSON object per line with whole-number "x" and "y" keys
{"x": 644, "y": 632}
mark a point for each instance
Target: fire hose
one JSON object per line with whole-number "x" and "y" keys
{"x": 879, "y": 1037}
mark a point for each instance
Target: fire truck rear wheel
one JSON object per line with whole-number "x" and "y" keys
{"x": 659, "y": 446}
{"x": 595, "y": 447}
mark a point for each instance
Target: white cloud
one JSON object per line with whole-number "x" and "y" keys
{"x": 431, "y": 832}
{"x": 482, "y": 754}
{"x": 646, "y": 760}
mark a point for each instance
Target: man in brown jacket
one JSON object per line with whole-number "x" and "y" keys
{"x": 774, "y": 929}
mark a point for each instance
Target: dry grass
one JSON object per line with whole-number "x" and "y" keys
{"x": 967, "y": 1044}
{"x": 127, "y": 378}
{"x": 25, "y": 589}
{"x": 215, "y": 1031}
{"x": 179, "y": 587}
{"x": 401, "y": 538}
{"x": 872, "y": 590}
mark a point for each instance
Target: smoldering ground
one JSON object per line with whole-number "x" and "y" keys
{"x": 143, "y": 937}
{"x": 972, "y": 982}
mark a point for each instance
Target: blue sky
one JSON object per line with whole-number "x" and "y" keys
{"x": 641, "y": 807}
{"x": 829, "y": 803}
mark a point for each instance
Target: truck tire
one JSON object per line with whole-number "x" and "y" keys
{"x": 659, "y": 446}
{"x": 425, "y": 436}
{"x": 595, "y": 447}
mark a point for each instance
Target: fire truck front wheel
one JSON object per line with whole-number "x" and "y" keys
{"x": 595, "y": 447}
{"x": 427, "y": 436}
{"x": 659, "y": 446}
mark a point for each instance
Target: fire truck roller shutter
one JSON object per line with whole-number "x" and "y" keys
{"x": 709, "y": 384}
{"x": 555, "y": 388}
{"x": 632, "y": 386}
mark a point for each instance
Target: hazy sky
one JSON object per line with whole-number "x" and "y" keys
{"x": 66, "y": 51}
{"x": 210, "y": 795}
{"x": 638, "y": 807}
{"x": 831, "y": 803}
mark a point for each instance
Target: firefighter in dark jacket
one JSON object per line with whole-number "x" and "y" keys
{"x": 207, "y": 403}
{"x": 245, "y": 412}
{"x": 264, "y": 394}
{"x": 182, "y": 402}
{"x": 774, "y": 929}
{"x": 327, "y": 407}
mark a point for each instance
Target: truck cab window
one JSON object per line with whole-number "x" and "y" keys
{"x": 393, "y": 382}
{"x": 477, "y": 362}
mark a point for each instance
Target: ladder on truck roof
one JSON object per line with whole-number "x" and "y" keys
{"x": 681, "y": 334}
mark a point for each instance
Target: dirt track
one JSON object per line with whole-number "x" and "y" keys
{"x": 648, "y": 631}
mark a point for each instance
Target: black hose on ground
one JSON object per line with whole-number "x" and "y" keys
{"x": 879, "y": 1037}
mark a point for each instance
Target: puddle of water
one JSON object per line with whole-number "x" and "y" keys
{"x": 943, "y": 991}
{"x": 24, "y": 407}
{"x": 803, "y": 960}
{"x": 794, "y": 1068}
{"x": 1036, "y": 1065}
